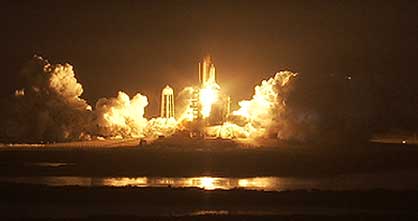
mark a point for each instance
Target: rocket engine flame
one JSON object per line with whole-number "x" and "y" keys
{"x": 207, "y": 97}
{"x": 52, "y": 96}
{"x": 209, "y": 91}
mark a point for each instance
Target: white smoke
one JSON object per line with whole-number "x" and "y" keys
{"x": 264, "y": 114}
{"x": 48, "y": 107}
{"x": 121, "y": 116}
{"x": 157, "y": 127}
{"x": 183, "y": 102}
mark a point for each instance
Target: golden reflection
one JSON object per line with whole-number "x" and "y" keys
{"x": 205, "y": 182}
{"x": 264, "y": 183}
{"x": 124, "y": 181}
{"x": 243, "y": 183}
{"x": 165, "y": 181}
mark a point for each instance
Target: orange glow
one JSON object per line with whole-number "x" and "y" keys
{"x": 254, "y": 118}
{"x": 256, "y": 183}
{"x": 257, "y": 115}
{"x": 207, "y": 183}
{"x": 207, "y": 97}
{"x": 140, "y": 181}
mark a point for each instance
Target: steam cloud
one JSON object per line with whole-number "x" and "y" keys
{"x": 48, "y": 108}
{"x": 265, "y": 115}
{"x": 121, "y": 116}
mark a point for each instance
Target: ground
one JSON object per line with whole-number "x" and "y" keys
{"x": 220, "y": 158}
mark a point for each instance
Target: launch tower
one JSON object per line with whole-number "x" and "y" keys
{"x": 167, "y": 102}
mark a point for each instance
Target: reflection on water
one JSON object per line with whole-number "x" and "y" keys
{"x": 393, "y": 181}
{"x": 207, "y": 183}
{"x": 259, "y": 182}
{"x": 121, "y": 181}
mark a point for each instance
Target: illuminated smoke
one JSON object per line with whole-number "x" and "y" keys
{"x": 48, "y": 107}
{"x": 157, "y": 127}
{"x": 183, "y": 103}
{"x": 121, "y": 117}
{"x": 263, "y": 115}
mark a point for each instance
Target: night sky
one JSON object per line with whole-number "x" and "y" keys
{"x": 140, "y": 46}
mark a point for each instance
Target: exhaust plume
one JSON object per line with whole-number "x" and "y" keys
{"x": 263, "y": 115}
{"x": 121, "y": 117}
{"x": 48, "y": 107}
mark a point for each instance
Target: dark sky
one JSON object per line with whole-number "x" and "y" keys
{"x": 139, "y": 46}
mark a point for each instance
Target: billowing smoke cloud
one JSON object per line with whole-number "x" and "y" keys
{"x": 157, "y": 127}
{"x": 50, "y": 101}
{"x": 121, "y": 116}
{"x": 265, "y": 111}
{"x": 292, "y": 108}
{"x": 48, "y": 107}
{"x": 183, "y": 102}
{"x": 265, "y": 114}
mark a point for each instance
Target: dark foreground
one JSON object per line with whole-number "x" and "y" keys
{"x": 22, "y": 201}
{"x": 41, "y": 202}
{"x": 219, "y": 159}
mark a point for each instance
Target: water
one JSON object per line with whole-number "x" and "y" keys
{"x": 391, "y": 181}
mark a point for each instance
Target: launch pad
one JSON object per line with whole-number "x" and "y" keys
{"x": 208, "y": 105}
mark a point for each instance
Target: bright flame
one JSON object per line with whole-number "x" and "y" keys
{"x": 261, "y": 116}
{"x": 207, "y": 97}
{"x": 70, "y": 117}
{"x": 207, "y": 183}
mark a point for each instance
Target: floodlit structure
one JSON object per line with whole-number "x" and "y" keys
{"x": 167, "y": 102}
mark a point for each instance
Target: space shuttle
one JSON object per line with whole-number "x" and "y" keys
{"x": 207, "y": 72}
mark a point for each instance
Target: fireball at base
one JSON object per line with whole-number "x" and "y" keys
{"x": 51, "y": 100}
{"x": 209, "y": 111}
